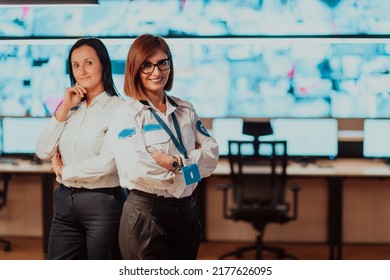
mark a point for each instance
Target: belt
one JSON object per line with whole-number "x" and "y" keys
{"x": 72, "y": 190}
{"x": 156, "y": 197}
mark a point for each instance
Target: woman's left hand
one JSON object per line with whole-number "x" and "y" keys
{"x": 57, "y": 164}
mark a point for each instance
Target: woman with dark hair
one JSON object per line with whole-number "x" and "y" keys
{"x": 162, "y": 150}
{"x": 89, "y": 200}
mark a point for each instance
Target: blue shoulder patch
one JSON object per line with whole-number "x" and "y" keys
{"x": 200, "y": 127}
{"x": 151, "y": 127}
{"x": 127, "y": 132}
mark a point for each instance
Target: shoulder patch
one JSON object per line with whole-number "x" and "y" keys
{"x": 151, "y": 127}
{"x": 127, "y": 132}
{"x": 200, "y": 127}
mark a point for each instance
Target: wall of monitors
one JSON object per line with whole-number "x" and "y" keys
{"x": 258, "y": 59}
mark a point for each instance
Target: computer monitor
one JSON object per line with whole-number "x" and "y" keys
{"x": 225, "y": 129}
{"x": 1, "y": 136}
{"x": 20, "y": 134}
{"x": 376, "y": 138}
{"x": 308, "y": 138}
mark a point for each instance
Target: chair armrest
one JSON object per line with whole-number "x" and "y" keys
{"x": 295, "y": 188}
{"x": 225, "y": 188}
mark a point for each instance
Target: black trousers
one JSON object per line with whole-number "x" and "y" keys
{"x": 86, "y": 223}
{"x": 157, "y": 228}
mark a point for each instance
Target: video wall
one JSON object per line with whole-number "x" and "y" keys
{"x": 200, "y": 18}
{"x": 257, "y": 59}
{"x": 222, "y": 78}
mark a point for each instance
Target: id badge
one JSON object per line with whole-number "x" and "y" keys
{"x": 191, "y": 174}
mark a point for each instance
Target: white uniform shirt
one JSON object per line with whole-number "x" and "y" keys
{"x": 135, "y": 134}
{"x": 88, "y": 161}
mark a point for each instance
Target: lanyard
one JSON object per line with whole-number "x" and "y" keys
{"x": 178, "y": 143}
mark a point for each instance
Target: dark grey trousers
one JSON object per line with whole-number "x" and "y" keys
{"x": 86, "y": 223}
{"x": 157, "y": 228}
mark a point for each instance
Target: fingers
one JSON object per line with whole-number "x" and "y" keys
{"x": 75, "y": 94}
{"x": 79, "y": 90}
{"x": 58, "y": 157}
{"x": 56, "y": 160}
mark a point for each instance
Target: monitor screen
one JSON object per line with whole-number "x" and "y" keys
{"x": 225, "y": 129}
{"x": 20, "y": 134}
{"x": 308, "y": 137}
{"x": 1, "y": 136}
{"x": 376, "y": 138}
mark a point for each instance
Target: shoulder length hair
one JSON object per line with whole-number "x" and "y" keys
{"x": 104, "y": 58}
{"x": 143, "y": 47}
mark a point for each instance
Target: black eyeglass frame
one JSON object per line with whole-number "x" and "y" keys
{"x": 158, "y": 64}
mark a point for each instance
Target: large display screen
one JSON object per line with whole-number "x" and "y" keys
{"x": 20, "y": 135}
{"x": 250, "y": 78}
{"x": 308, "y": 137}
{"x": 311, "y": 137}
{"x": 199, "y": 18}
{"x": 257, "y": 59}
{"x": 376, "y": 138}
{"x": 225, "y": 129}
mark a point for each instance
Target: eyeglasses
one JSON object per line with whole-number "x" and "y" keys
{"x": 148, "y": 67}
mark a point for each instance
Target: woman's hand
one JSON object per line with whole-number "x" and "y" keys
{"x": 163, "y": 160}
{"x": 57, "y": 164}
{"x": 73, "y": 95}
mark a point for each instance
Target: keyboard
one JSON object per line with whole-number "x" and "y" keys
{"x": 7, "y": 160}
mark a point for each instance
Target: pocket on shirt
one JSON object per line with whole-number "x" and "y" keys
{"x": 157, "y": 137}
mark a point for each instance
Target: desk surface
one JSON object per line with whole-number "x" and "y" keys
{"x": 26, "y": 166}
{"x": 335, "y": 168}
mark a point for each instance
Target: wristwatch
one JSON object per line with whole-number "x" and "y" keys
{"x": 174, "y": 164}
{"x": 177, "y": 163}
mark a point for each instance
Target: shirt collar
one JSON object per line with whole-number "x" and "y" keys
{"x": 171, "y": 104}
{"x": 101, "y": 98}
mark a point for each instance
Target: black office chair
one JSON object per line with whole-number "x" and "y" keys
{"x": 3, "y": 200}
{"x": 257, "y": 198}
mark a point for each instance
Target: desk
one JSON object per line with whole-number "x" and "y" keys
{"x": 47, "y": 182}
{"x": 335, "y": 172}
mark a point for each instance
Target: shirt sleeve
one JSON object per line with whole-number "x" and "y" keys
{"x": 134, "y": 163}
{"x": 208, "y": 154}
{"x": 47, "y": 142}
{"x": 91, "y": 169}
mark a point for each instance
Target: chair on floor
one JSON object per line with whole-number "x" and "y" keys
{"x": 256, "y": 194}
{"x": 3, "y": 200}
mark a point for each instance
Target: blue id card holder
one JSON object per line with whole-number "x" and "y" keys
{"x": 191, "y": 174}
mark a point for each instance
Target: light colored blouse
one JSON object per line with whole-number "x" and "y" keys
{"x": 135, "y": 134}
{"x": 81, "y": 141}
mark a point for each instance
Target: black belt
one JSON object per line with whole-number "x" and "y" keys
{"x": 155, "y": 196}
{"x": 72, "y": 190}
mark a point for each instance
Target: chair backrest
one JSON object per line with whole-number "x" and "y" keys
{"x": 258, "y": 172}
